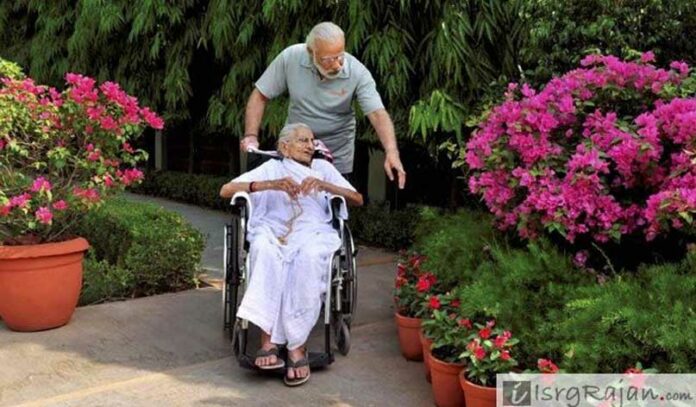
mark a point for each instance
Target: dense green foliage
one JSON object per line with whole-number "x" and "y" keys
{"x": 137, "y": 250}
{"x": 201, "y": 190}
{"x": 583, "y": 320}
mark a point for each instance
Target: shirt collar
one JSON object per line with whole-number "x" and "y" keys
{"x": 306, "y": 62}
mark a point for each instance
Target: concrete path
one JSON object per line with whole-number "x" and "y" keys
{"x": 171, "y": 350}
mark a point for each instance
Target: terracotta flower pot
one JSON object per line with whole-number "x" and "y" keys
{"x": 475, "y": 395}
{"x": 40, "y": 284}
{"x": 445, "y": 380}
{"x": 426, "y": 343}
{"x": 410, "y": 344}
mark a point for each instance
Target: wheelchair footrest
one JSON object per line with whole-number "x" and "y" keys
{"x": 317, "y": 360}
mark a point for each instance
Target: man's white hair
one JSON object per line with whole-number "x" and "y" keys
{"x": 289, "y": 131}
{"x": 325, "y": 31}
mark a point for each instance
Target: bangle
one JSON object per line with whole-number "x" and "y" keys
{"x": 251, "y": 186}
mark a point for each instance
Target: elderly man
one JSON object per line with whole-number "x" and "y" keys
{"x": 322, "y": 80}
{"x": 291, "y": 243}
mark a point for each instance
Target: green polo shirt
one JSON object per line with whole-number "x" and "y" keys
{"x": 325, "y": 105}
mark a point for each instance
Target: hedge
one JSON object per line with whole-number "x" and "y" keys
{"x": 138, "y": 249}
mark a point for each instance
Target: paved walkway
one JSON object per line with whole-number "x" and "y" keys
{"x": 171, "y": 350}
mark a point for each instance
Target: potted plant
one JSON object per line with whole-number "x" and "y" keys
{"x": 429, "y": 328}
{"x": 61, "y": 155}
{"x": 406, "y": 300}
{"x": 488, "y": 352}
{"x": 445, "y": 328}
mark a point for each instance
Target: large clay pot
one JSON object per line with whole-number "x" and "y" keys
{"x": 475, "y": 395}
{"x": 40, "y": 284}
{"x": 427, "y": 344}
{"x": 410, "y": 344}
{"x": 445, "y": 380}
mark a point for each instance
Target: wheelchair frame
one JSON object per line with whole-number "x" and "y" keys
{"x": 341, "y": 294}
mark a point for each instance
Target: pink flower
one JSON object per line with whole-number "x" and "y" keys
{"x": 466, "y": 323}
{"x": 152, "y": 119}
{"x": 2, "y": 143}
{"x": 647, "y": 57}
{"x": 41, "y": 184}
{"x": 499, "y": 341}
{"x": 44, "y": 215}
{"x": 20, "y": 201}
{"x": 580, "y": 258}
{"x": 5, "y": 210}
{"x": 479, "y": 353}
{"x": 127, "y": 148}
{"x": 89, "y": 194}
{"x": 505, "y": 355}
{"x": 547, "y": 366}
{"x": 94, "y": 155}
{"x": 60, "y": 205}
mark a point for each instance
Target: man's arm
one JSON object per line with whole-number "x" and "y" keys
{"x": 385, "y": 131}
{"x": 252, "y": 119}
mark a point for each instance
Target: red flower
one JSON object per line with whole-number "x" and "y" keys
{"x": 499, "y": 341}
{"x": 633, "y": 370}
{"x": 465, "y": 322}
{"x": 434, "y": 302}
{"x": 505, "y": 355}
{"x": 400, "y": 281}
{"x": 423, "y": 284}
{"x": 456, "y": 303}
{"x": 547, "y": 366}
{"x": 479, "y": 353}
{"x": 400, "y": 270}
{"x": 416, "y": 260}
{"x": 485, "y": 333}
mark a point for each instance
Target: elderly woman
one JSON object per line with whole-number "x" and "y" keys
{"x": 291, "y": 243}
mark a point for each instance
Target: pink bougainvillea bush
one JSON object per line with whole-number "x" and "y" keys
{"x": 603, "y": 151}
{"x": 62, "y": 153}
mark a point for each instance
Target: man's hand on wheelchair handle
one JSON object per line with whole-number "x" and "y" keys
{"x": 249, "y": 141}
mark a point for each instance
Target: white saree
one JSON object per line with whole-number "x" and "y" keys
{"x": 287, "y": 281}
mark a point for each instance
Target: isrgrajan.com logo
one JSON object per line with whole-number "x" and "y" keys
{"x": 597, "y": 390}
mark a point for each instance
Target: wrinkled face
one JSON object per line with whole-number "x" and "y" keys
{"x": 300, "y": 147}
{"x": 328, "y": 57}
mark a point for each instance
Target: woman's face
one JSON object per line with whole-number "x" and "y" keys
{"x": 300, "y": 147}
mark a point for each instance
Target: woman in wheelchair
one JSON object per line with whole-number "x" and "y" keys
{"x": 291, "y": 243}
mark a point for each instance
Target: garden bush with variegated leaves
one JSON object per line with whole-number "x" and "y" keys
{"x": 63, "y": 152}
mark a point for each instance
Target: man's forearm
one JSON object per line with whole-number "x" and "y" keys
{"x": 254, "y": 113}
{"x": 384, "y": 128}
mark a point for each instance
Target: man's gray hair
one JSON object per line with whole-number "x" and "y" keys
{"x": 288, "y": 132}
{"x": 325, "y": 31}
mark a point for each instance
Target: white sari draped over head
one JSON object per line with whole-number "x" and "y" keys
{"x": 287, "y": 281}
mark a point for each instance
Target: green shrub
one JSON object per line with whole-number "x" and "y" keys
{"x": 376, "y": 224}
{"x": 647, "y": 317}
{"x": 139, "y": 248}
{"x": 522, "y": 289}
{"x": 454, "y": 244}
{"x": 103, "y": 282}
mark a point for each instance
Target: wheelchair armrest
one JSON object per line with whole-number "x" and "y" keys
{"x": 337, "y": 204}
{"x": 241, "y": 200}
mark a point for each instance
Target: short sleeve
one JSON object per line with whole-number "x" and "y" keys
{"x": 367, "y": 94}
{"x": 273, "y": 81}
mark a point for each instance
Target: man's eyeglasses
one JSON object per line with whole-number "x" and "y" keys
{"x": 330, "y": 60}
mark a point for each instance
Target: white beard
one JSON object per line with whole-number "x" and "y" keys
{"x": 326, "y": 74}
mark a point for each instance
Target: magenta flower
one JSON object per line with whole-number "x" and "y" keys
{"x": 41, "y": 184}
{"x": 44, "y": 215}
{"x": 60, "y": 205}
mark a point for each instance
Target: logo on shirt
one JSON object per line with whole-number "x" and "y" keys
{"x": 339, "y": 93}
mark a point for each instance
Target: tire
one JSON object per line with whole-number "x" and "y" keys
{"x": 343, "y": 337}
{"x": 350, "y": 298}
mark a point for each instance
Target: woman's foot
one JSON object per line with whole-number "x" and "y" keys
{"x": 267, "y": 357}
{"x": 298, "y": 368}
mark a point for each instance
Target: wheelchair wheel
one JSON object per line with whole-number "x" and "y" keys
{"x": 350, "y": 291}
{"x": 343, "y": 337}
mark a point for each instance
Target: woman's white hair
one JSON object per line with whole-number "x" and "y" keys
{"x": 325, "y": 31}
{"x": 289, "y": 131}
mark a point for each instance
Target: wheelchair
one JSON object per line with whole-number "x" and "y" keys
{"x": 339, "y": 302}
